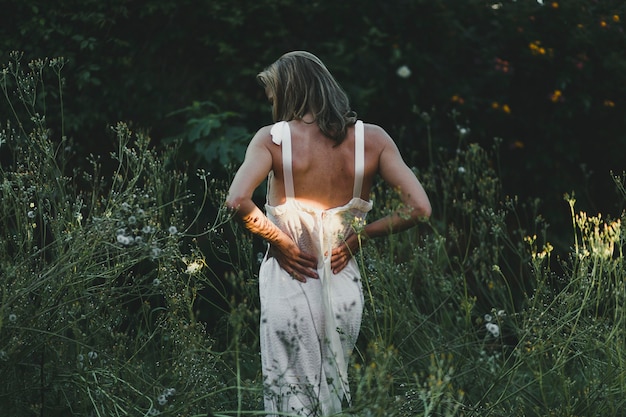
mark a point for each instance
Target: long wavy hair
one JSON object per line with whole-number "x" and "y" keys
{"x": 300, "y": 83}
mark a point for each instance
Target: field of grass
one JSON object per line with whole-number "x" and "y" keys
{"x": 127, "y": 292}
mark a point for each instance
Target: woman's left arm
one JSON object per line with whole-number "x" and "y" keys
{"x": 255, "y": 168}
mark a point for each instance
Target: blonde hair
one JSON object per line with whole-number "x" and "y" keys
{"x": 300, "y": 83}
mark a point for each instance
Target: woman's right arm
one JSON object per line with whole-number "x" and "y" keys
{"x": 415, "y": 206}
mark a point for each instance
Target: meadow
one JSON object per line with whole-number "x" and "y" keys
{"x": 127, "y": 290}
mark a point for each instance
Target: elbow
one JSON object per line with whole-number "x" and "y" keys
{"x": 421, "y": 212}
{"x": 233, "y": 202}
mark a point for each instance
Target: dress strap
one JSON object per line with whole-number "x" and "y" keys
{"x": 359, "y": 158}
{"x": 282, "y": 135}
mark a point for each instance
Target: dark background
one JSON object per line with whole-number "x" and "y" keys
{"x": 548, "y": 80}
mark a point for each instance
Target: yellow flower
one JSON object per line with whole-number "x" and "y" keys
{"x": 506, "y": 108}
{"x": 616, "y": 18}
{"x": 609, "y": 103}
{"x": 495, "y": 105}
{"x": 603, "y": 23}
{"x": 556, "y": 96}
{"x": 555, "y": 5}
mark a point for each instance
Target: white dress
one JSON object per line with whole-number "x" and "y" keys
{"x": 308, "y": 330}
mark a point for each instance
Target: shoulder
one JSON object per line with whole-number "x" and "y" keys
{"x": 377, "y": 136}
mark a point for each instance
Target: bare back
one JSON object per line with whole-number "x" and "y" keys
{"x": 323, "y": 172}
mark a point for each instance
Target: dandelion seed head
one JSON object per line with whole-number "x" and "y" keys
{"x": 493, "y": 328}
{"x": 155, "y": 253}
{"x": 403, "y": 72}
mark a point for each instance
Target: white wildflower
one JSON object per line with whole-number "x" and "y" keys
{"x": 488, "y": 318}
{"x": 31, "y": 214}
{"x": 168, "y": 392}
{"x": 132, "y": 220}
{"x": 12, "y": 317}
{"x": 92, "y": 355}
{"x": 172, "y": 230}
{"x": 156, "y": 282}
{"x": 162, "y": 399}
{"x": 146, "y": 229}
{"x": 155, "y": 253}
{"x": 493, "y": 328}
{"x": 461, "y": 170}
{"x": 193, "y": 267}
{"x": 404, "y": 72}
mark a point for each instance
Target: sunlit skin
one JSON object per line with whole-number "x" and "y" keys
{"x": 323, "y": 175}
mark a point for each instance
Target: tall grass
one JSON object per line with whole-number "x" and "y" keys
{"x": 122, "y": 296}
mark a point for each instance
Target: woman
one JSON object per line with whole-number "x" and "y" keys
{"x": 321, "y": 163}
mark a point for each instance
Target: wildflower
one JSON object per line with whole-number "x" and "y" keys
{"x": 31, "y": 214}
{"x": 518, "y": 144}
{"x": 501, "y": 313}
{"x": 609, "y": 103}
{"x": 463, "y": 131}
{"x": 80, "y": 357}
{"x": 172, "y": 230}
{"x": 495, "y": 105}
{"x": 488, "y": 318}
{"x": 493, "y": 328}
{"x": 92, "y": 355}
{"x": 146, "y": 229}
{"x": 155, "y": 253}
{"x": 616, "y": 18}
{"x": 506, "y": 108}
{"x": 132, "y": 220}
{"x": 154, "y": 412}
{"x": 169, "y": 392}
{"x": 12, "y": 318}
{"x": 193, "y": 267}
{"x": 124, "y": 240}
{"x": 536, "y": 48}
{"x": 461, "y": 170}
{"x": 556, "y": 96}
{"x": 555, "y": 5}
{"x": 457, "y": 99}
{"x": 403, "y": 72}
{"x": 156, "y": 282}
{"x": 603, "y": 23}
{"x": 162, "y": 399}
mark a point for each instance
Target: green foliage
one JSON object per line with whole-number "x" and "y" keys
{"x": 99, "y": 285}
{"x": 546, "y": 77}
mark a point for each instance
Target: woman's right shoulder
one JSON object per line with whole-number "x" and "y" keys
{"x": 376, "y": 136}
